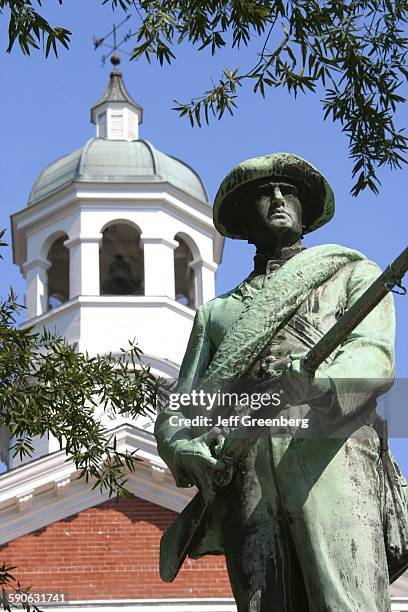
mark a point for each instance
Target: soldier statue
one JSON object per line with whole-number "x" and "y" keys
{"x": 302, "y": 522}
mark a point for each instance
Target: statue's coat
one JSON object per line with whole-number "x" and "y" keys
{"x": 326, "y": 488}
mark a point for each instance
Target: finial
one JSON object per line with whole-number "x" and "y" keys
{"x": 114, "y": 57}
{"x": 116, "y": 115}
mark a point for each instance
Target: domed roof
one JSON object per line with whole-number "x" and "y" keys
{"x": 121, "y": 161}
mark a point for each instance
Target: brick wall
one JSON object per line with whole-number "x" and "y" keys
{"x": 110, "y": 551}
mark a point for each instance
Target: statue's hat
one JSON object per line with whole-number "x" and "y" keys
{"x": 315, "y": 193}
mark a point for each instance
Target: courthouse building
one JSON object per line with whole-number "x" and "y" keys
{"x": 116, "y": 242}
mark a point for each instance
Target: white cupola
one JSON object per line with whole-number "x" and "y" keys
{"x": 116, "y": 115}
{"x": 117, "y": 242}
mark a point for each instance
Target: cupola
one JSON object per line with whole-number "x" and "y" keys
{"x": 117, "y": 241}
{"x": 116, "y": 115}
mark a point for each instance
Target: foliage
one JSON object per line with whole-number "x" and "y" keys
{"x": 355, "y": 51}
{"x": 10, "y": 585}
{"x": 352, "y": 50}
{"x": 48, "y": 387}
{"x": 29, "y": 28}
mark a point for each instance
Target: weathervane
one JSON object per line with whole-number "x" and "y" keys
{"x": 99, "y": 42}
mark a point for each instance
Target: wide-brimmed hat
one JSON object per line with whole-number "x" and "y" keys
{"x": 315, "y": 193}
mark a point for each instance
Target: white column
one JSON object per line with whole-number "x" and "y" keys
{"x": 83, "y": 265}
{"x": 35, "y": 272}
{"x": 159, "y": 266}
{"x": 204, "y": 280}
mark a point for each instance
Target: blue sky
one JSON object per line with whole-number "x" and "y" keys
{"x": 45, "y": 114}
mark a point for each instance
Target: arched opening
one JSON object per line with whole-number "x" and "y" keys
{"x": 184, "y": 274}
{"x": 58, "y": 273}
{"x": 121, "y": 265}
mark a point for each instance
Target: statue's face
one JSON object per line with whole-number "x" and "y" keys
{"x": 274, "y": 212}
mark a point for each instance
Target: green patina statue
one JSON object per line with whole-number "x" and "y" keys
{"x": 304, "y": 521}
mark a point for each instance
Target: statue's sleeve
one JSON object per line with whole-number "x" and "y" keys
{"x": 169, "y": 423}
{"x": 363, "y": 367}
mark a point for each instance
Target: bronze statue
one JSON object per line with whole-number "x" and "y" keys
{"x": 305, "y": 523}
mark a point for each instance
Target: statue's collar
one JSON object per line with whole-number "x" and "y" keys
{"x": 266, "y": 262}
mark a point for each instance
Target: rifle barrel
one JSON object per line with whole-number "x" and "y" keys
{"x": 391, "y": 277}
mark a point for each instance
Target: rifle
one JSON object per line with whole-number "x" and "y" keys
{"x": 179, "y": 538}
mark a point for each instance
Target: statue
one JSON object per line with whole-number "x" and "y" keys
{"x": 120, "y": 279}
{"x": 303, "y": 523}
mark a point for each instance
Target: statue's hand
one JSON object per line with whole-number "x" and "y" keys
{"x": 195, "y": 460}
{"x": 301, "y": 387}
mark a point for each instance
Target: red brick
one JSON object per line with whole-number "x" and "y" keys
{"x": 110, "y": 551}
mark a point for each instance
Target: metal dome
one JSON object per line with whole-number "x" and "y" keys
{"x": 122, "y": 161}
